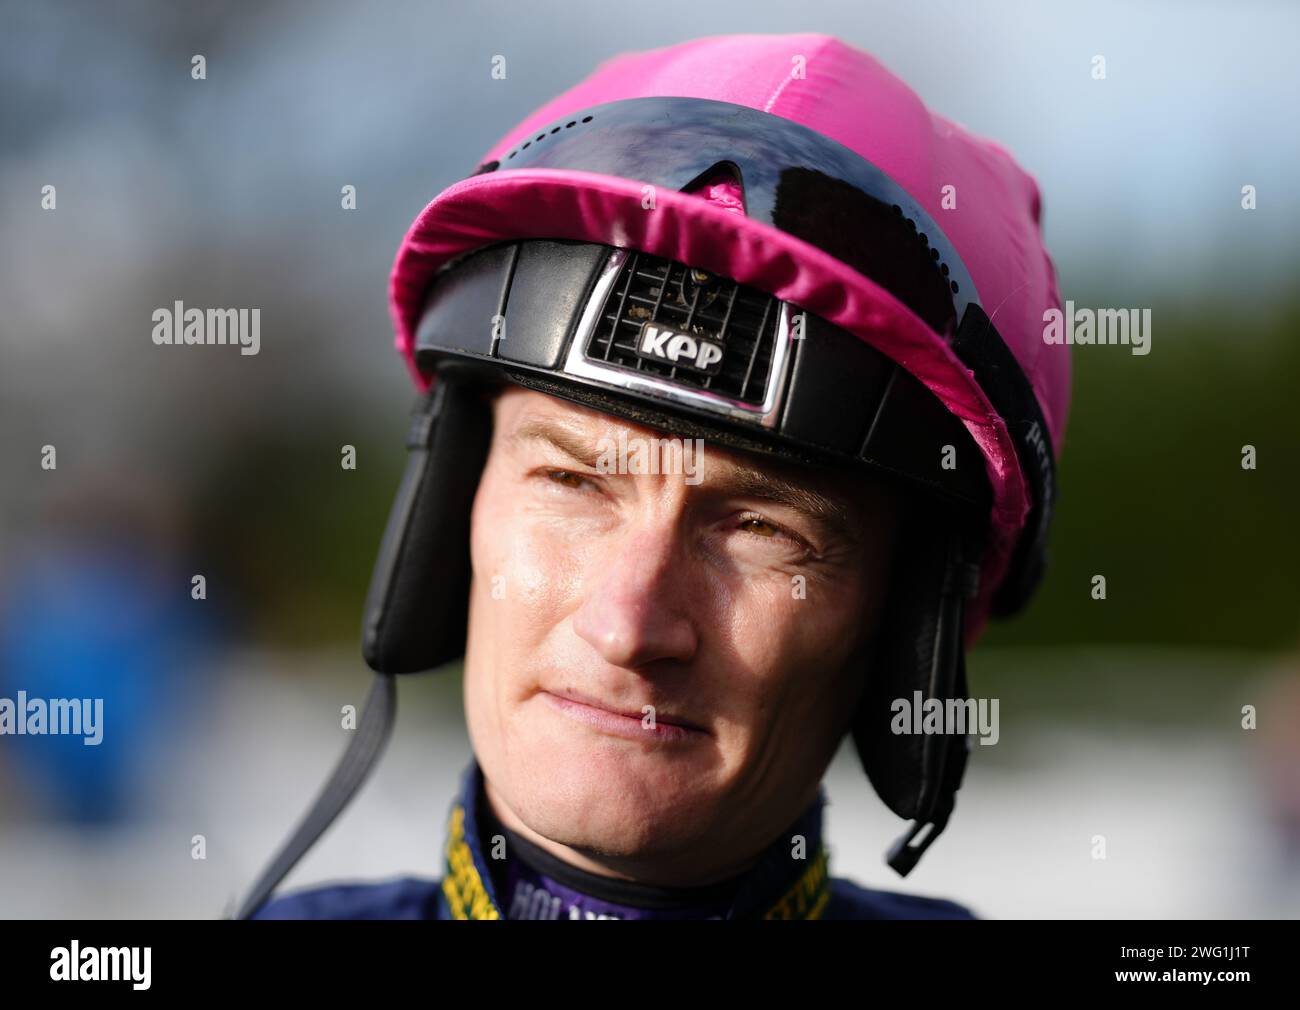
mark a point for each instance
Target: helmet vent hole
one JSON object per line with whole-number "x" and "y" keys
{"x": 550, "y": 133}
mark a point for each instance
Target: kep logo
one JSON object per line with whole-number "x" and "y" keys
{"x": 688, "y": 350}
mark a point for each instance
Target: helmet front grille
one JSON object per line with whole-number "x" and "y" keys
{"x": 652, "y": 289}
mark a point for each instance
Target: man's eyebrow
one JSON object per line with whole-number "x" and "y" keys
{"x": 556, "y": 434}
{"x": 832, "y": 515}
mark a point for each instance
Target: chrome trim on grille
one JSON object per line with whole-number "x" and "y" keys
{"x": 578, "y": 364}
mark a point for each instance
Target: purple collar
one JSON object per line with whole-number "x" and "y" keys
{"x": 533, "y": 884}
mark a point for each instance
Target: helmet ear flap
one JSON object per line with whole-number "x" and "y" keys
{"x": 918, "y": 657}
{"x": 417, "y": 606}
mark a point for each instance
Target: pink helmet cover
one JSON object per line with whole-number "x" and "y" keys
{"x": 986, "y": 204}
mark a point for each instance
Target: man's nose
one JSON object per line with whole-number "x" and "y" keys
{"x": 637, "y": 609}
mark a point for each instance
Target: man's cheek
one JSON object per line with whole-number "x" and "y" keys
{"x": 782, "y": 637}
{"x": 541, "y": 574}
{"x": 765, "y": 615}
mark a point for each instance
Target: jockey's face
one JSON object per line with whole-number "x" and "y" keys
{"x": 661, "y": 665}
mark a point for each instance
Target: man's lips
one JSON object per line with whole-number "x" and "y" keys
{"x": 596, "y": 713}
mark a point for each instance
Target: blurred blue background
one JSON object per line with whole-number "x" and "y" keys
{"x": 1121, "y": 718}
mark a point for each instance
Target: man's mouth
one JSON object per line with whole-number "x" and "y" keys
{"x": 646, "y": 724}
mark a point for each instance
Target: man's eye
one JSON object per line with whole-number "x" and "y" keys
{"x": 759, "y": 527}
{"x": 567, "y": 477}
{"x": 783, "y": 536}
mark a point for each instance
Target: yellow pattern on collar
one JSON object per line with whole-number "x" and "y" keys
{"x": 467, "y": 898}
{"x": 808, "y": 896}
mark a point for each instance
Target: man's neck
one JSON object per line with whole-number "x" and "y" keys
{"x": 537, "y": 883}
{"x": 789, "y": 878}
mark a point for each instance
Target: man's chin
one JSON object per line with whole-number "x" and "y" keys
{"x": 602, "y": 773}
{"x": 615, "y": 800}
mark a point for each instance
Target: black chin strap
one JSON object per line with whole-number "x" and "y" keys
{"x": 907, "y": 851}
{"x": 947, "y": 679}
{"x": 363, "y": 752}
